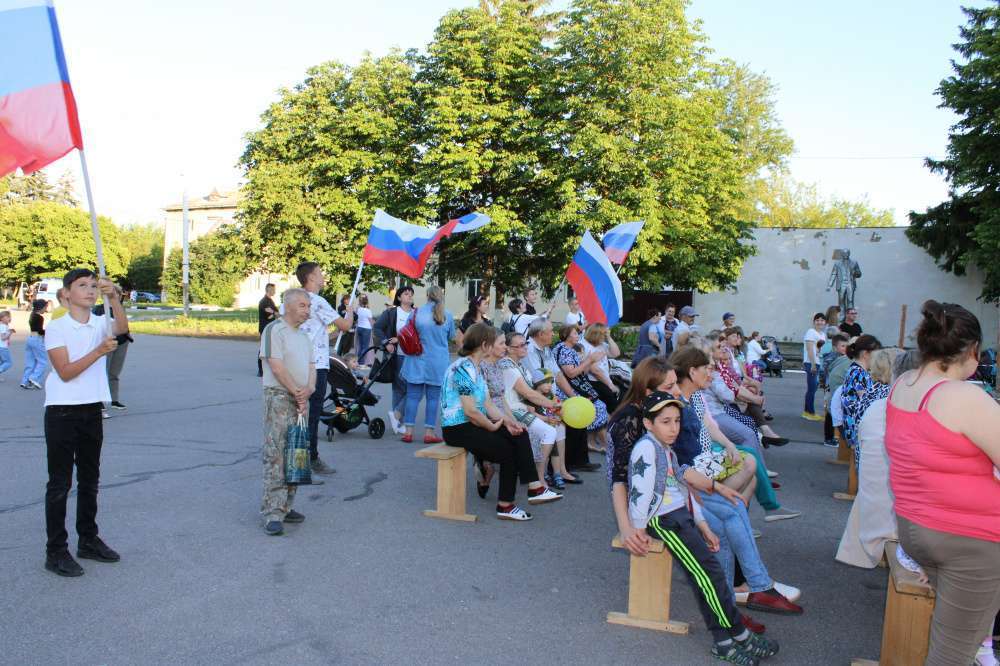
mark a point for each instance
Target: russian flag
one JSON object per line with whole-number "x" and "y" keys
{"x": 406, "y": 247}
{"x": 618, "y": 242}
{"x": 595, "y": 284}
{"x": 38, "y": 119}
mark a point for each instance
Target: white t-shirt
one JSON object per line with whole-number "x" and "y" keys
{"x": 682, "y": 327}
{"x": 754, "y": 351}
{"x": 4, "y": 340}
{"x": 321, "y": 315}
{"x": 364, "y": 318}
{"x": 811, "y": 337}
{"x": 402, "y": 316}
{"x": 91, "y": 385}
{"x": 604, "y": 366}
{"x": 522, "y": 322}
{"x": 575, "y": 319}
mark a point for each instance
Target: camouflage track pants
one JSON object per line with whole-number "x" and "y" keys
{"x": 280, "y": 412}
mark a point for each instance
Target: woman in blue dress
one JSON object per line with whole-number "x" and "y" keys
{"x": 858, "y": 384}
{"x": 424, "y": 372}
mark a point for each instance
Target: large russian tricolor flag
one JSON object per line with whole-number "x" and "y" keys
{"x": 406, "y": 247}
{"x": 595, "y": 284}
{"x": 38, "y": 120}
{"x": 618, "y": 242}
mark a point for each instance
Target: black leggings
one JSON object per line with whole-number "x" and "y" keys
{"x": 828, "y": 433}
{"x": 511, "y": 452}
{"x": 608, "y": 397}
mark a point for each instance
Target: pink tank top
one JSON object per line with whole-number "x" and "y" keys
{"x": 939, "y": 478}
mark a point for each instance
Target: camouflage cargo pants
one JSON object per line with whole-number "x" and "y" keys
{"x": 280, "y": 412}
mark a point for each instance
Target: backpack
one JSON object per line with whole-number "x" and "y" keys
{"x": 508, "y": 326}
{"x": 409, "y": 338}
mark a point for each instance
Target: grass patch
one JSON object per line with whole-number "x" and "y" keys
{"x": 236, "y": 326}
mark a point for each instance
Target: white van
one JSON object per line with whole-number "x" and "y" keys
{"x": 46, "y": 289}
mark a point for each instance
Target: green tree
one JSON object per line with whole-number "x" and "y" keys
{"x": 16, "y": 189}
{"x": 43, "y": 237}
{"x": 217, "y": 266}
{"x": 144, "y": 243}
{"x": 780, "y": 201}
{"x": 965, "y": 229}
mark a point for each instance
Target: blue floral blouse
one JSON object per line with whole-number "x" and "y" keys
{"x": 857, "y": 384}
{"x": 461, "y": 378}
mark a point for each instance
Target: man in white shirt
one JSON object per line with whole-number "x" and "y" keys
{"x": 75, "y": 391}
{"x": 321, "y": 315}
{"x": 685, "y": 326}
{"x": 5, "y": 333}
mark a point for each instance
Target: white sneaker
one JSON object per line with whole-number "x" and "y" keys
{"x": 787, "y": 591}
{"x": 513, "y": 512}
{"x": 772, "y": 475}
{"x": 780, "y": 514}
{"x": 741, "y": 598}
{"x": 985, "y": 656}
{"x": 397, "y": 427}
{"x": 542, "y": 498}
{"x": 105, "y": 414}
{"x": 35, "y": 384}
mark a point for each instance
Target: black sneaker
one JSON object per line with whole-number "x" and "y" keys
{"x": 117, "y": 405}
{"x": 734, "y": 654}
{"x": 294, "y": 516}
{"x": 758, "y": 646}
{"x": 274, "y": 528}
{"x": 63, "y": 564}
{"x": 320, "y": 467}
{"x": 831, "y": 443}
{"x": 95, "y": 549}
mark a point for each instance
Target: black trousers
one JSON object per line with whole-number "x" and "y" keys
{"x": 678, "y": 533}
{"x": 316, "y": 410}
{"x": 828, "y": 433}
{"x": 577, "y": 454}
{"x": 73, "y": 435}
{"x": 608, "y": 397}
{"x": 511, "y": 452}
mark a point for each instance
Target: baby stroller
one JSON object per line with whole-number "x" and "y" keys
{"x": 775, "y": 362}
{"x": 344, "y": 408}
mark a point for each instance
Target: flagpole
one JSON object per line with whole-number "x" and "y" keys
{"x": 350, "y": 302}
{"x": 185, "y": 255}
{"x": 93, "y": 215}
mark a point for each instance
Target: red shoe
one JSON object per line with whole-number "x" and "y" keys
{"x": 772, "y": 602}
{"x": 752, "y": 624}
{"x": 775, "y": 485}
{"x": 408, "y": 438}
{"x": 432, "y": 439}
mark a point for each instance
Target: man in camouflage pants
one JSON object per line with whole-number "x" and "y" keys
{"x": 289, "y": 380}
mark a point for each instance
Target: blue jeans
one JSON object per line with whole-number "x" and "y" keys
{"x": 5, "y": 360}
{"x": 812, "y": 381}
{"x": 414, "y": 392}
{"x": 764, "y": 493}
{"x": 36, "y": 361}
{"x": 364, "y": 338}
{"x": 731, "y": 524}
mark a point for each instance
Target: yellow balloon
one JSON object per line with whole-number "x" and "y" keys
{"x": 578, "y": 412}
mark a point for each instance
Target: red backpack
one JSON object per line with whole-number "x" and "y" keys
{"x": 409, "y": 338}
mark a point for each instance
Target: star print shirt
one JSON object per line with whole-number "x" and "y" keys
{"x": 652, "y": 467}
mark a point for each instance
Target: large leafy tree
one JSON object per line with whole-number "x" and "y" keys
{"x": 779, "y": 201}
{"x": 44, "y": 237}
{"x": 217, "y": 267}
{"x": 144, "y": 243}
{"x": 965, "y": 229}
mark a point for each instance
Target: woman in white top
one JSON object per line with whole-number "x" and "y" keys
{"x": 755, "y": 352}
{"x": 811, "y": 341}
{"x": 575, "y": 317}
{"x": 364, "y": 336}
{"x": 597, "y": 338}
{"x": 872, "y": 521}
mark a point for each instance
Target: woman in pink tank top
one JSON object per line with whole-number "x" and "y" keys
{"x": 943, "y": 442}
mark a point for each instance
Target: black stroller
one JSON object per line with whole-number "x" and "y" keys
{"x": 344, "y": 408}
{"x": 772, "y": 358}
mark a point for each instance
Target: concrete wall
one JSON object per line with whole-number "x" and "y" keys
{"x": 785, "y": 284}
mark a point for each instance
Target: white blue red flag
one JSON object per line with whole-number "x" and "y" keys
{"x": 406, "y": 247}
{"x": 618, "y": 242}
{"x": 595, "y": 284}
{"x": 38, "y": 119}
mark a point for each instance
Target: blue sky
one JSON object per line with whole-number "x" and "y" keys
{"x": 170, "y": 88}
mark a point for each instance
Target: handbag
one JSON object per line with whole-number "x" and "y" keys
{"x": 409, "y": 338}
{"x": 298, "y": 470}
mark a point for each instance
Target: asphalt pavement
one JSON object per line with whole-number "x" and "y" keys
{"x": 366, "y": 579}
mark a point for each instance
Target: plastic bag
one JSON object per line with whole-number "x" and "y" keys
{"x": 298, "y": 468}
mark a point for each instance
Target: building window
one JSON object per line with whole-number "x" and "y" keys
{"x": 569, "y": 292}
{"x": 472, "y": 289}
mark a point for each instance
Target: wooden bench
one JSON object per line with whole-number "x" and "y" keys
{"x": 852, "y": 469}
{"x": 451, "y": 477}
{"x": 906, "y": 626}
{"x": 844, "y": 455}
{"x": 649, "y": 591}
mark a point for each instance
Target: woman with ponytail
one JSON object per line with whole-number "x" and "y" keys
{"x": 859, "y": 388}
{"x": 424, "y": 372}
{"x": 943, "y": 442}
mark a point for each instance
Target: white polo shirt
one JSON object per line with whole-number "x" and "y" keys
{"x": 91, "y": 385}
{"x": 321, "y": 315}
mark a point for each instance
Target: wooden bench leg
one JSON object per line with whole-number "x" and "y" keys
{"x": 649, "y": 595}
{"x": 906, "y": 627}
{"x": 852, "y": 484}
{"x": 451, "y": 478}
{"x": 844, "y": 456}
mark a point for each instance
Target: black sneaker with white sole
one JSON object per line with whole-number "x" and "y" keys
{"x": 117, "y": 405}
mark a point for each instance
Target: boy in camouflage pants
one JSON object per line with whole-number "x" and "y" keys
{"x": 289, "y": 380}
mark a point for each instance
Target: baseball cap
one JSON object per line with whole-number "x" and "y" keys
{"x": 688, "y": 311}
{"x": 728, "y": 315}
{"x": 540, "y": 377}
{"x": 656, "y": 401}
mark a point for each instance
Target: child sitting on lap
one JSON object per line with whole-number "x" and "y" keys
{"x": 659, "y": 502}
